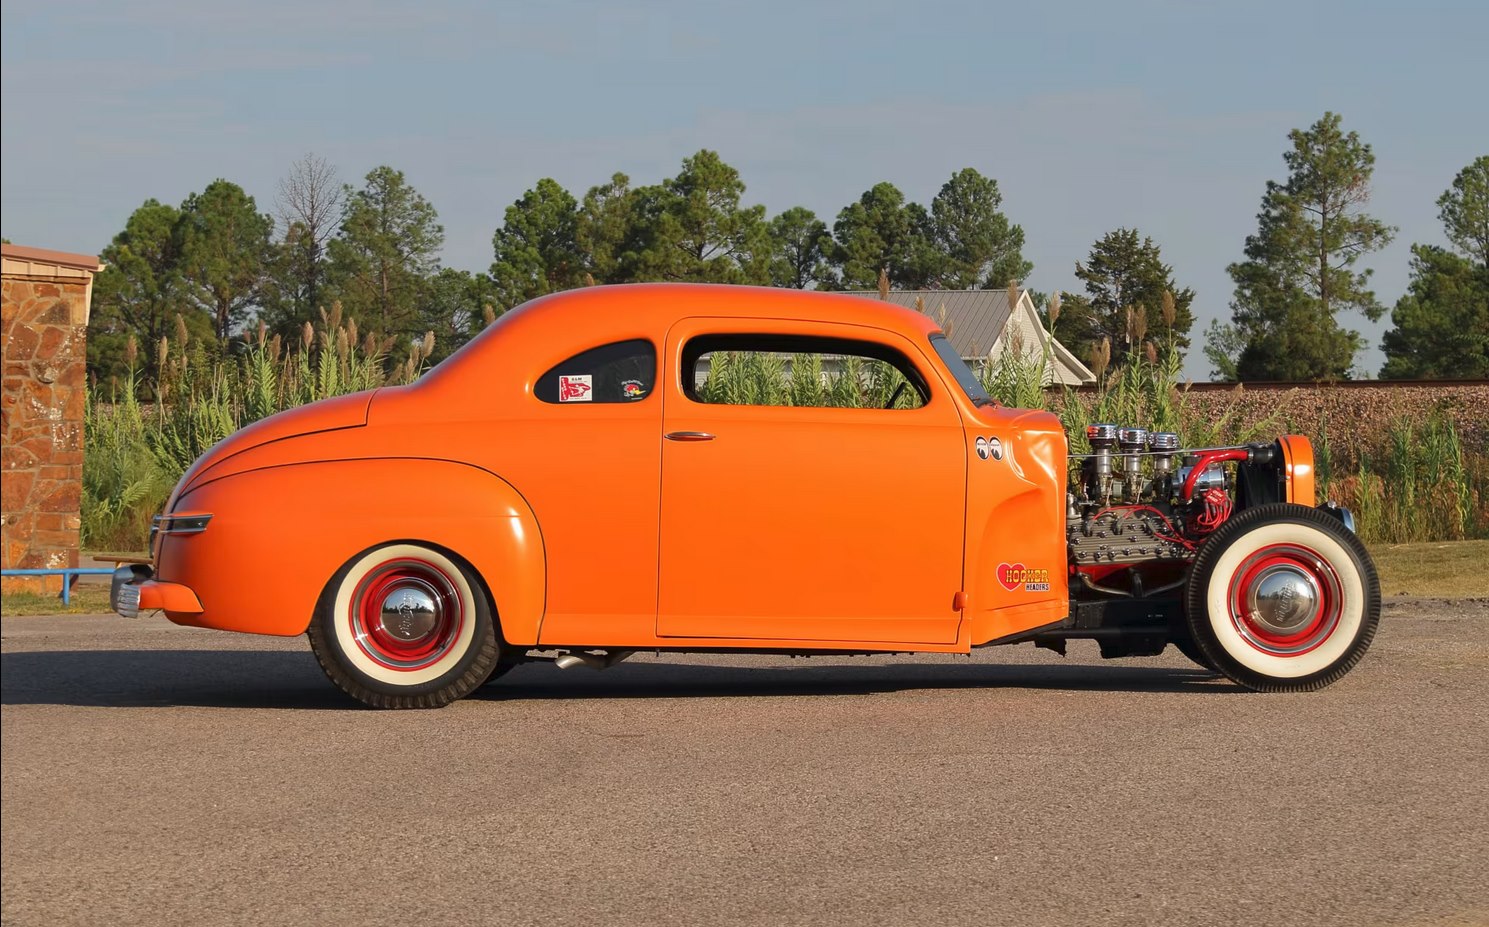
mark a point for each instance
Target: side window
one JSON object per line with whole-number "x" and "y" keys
{"x": 624, "y": 371}
{"x": 795, "y": 370}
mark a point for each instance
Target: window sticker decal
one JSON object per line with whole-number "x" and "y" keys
{"x": 577, "y": 388}
{"x": 632, "y": 389}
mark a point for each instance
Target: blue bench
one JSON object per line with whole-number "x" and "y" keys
{"x": 67, "y": 574}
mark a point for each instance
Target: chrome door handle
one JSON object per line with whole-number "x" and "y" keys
{"x": 688, "y": 436}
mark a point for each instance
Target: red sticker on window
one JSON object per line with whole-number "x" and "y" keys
{"x": 578, "y": 388}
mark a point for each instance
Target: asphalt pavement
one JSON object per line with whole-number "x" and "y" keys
{"x": 161, "y": 775}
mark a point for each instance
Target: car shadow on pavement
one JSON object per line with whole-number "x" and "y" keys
{"x": 287, "y": 679}
{"x": 679, "y": 680}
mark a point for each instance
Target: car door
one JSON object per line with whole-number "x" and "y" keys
{"x": 586, "y": 456}
{"x": 806, "y": 522}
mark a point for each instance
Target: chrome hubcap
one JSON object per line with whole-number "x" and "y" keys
{"x": 410, "y": 612}
{"x": 1282, "y": 600}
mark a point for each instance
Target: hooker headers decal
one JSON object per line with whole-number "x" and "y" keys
{"x": 1014, "y": 575}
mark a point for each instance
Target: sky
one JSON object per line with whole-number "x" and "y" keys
{"x": 1160, "y": 115}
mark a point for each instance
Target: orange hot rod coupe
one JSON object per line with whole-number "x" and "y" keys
{"x": 598, "y": 473}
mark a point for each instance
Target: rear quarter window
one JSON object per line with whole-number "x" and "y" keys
{"x": 623, "y": 371}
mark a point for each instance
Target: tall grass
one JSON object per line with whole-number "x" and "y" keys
{"x": 837, "y": 381}
{"x": 1421, "y": 486}
{"x": 135, "y": 452}
{"x": 123, "y": 483}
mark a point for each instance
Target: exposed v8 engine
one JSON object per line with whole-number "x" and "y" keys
{"x": 1141, "y": 498}
{"x": 1140, "y": 513}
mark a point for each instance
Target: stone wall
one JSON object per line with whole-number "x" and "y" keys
{"x": 45, "y": 316}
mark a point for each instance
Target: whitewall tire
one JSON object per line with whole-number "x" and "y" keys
{"x": 405, "y": 625}
{"x": 1283, "y": 598}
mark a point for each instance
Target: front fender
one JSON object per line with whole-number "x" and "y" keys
{"x": 279, "y": 534}
{"x": 1015, "y": 574}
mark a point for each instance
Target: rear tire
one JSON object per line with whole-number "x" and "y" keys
{"x": 1283, "y": 598}
{"x": 405, "y": 626}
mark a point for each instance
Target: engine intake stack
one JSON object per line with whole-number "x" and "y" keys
{"x": 1102, "y": 438}
{"x": 1133, "y": 441}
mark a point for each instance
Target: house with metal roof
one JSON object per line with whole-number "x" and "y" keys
{"x": 982, "y": 325}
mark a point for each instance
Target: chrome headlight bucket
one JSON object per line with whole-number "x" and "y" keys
{"x": 1341, "y": 513}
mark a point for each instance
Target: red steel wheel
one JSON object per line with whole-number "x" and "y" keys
{"x": 405, "y": 626}
{"x": 1283, "y": 598}
{"x": 406, "y": 614}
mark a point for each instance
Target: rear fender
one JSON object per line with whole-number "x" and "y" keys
{"x": 279, "y": 534}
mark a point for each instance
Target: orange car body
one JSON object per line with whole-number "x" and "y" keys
{"x": 794, "y": 528}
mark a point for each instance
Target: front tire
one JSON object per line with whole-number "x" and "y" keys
{"x": 1283, "y": 598}
{"x": 1190, "y": 649}
{"x": 405, "y": 626}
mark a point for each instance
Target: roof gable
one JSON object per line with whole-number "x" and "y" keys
{"x": 974, "y": 320}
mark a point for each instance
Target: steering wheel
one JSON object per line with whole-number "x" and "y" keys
{"x": 895, "y": 396}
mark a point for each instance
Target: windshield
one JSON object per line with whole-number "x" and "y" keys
{"x": 965, "y": 378}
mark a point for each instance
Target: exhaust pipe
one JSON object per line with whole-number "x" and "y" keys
{"x": 596, "y": 661}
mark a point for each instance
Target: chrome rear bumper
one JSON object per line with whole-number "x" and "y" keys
{"x": 124, "y": 589}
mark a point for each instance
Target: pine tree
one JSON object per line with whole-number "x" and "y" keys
{"x": 799, "y": 247}
{"x": 883, "y": 232}
{"x": 537, "y": 248}
{"x": 1299, "y": 272}
{"x": 1464, "y": 210}
{"x": 979, "y": 246}
{"x": 386, "y": 254}
{"x": 1440, "y": 327}
{"x": 1124, "y": 273}
{"x": 225, "y": 253}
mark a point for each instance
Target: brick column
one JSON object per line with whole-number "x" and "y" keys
{"x": 44, "y": 297}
